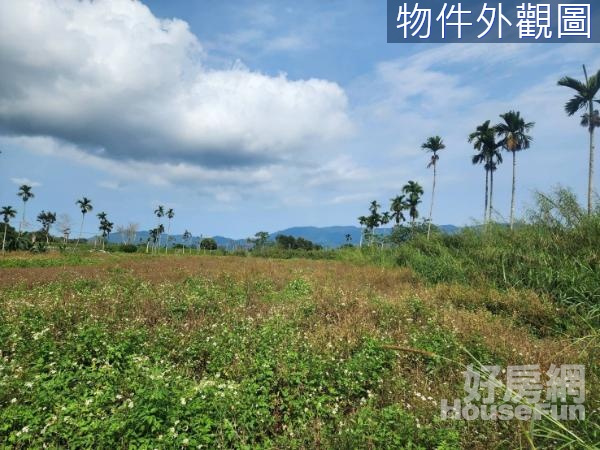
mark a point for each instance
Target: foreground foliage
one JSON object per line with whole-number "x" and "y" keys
{"x": 248, "y": 352}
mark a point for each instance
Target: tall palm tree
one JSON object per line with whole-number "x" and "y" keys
{"x": 170, "y": 214}
{"x": 492, "y": 165}
{"x": 433, "y": 144}
{"x": 102, "y": 218}
{"x": 108, "y": 227}
{"x": 513, "y": 133}
{"x": 397, "y": 207}
{"x": 374, "y": 219}
{"x": 484, "y": 142}
{"x": 159, "y": 230}
{"x": 85, "y": 206}
{"x": 591, "y": 122}
{"x": 159, "y": 212}
{"x": 7, "y": 213}
{"x": 105, "y": 227}
{"x": 362, "y": 220}
{"x": 25, "y": 193}
{"x": 186, "y": 237}
{"x": 153, "y": 237}
{"x": 414, "y": 191}
{"x": 46, "y": 219}
{"x": 584, "y": 99}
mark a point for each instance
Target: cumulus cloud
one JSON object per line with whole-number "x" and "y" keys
{"x": 163, "y": 174}
{"x": 121, "y": 83}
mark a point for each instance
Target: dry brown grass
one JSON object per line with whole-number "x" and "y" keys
{"x": 350, "y": 300}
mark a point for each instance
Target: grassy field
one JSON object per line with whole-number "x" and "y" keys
{"x": 116, "y": 351}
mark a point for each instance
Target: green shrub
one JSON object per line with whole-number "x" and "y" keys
{"x": 208, "y": 244}
{"x": 128, "y": 248}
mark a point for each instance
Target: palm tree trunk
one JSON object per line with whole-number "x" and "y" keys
{"x": 168, "y": 232}
{"x": 22, "y": 218}
{"x": 491, "y": 195}
{"x": 512, "y": 197}
{"x": 432, "y": 197}
{"x": 591, "y": 166}
{"x": 80, "y": 230}
{"x": 485, "y": 211}
{"x": 4, "y": 237}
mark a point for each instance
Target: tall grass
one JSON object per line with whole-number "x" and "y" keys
{"x": 555, "y": 251}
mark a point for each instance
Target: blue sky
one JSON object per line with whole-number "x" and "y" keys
{"x": 247, "y": 116}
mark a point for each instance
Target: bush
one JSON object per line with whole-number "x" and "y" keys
{"x": 128, "y": 248}
{"x": 292, "y": 243}
{"x": 208, "y": 244}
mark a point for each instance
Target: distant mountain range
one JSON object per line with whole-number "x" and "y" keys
{"x": 329, "y": 237}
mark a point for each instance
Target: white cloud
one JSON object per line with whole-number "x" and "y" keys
{"x": 111, "y": 185}
{"x": 21, "y": 181}
{"x": 114, "y": 79}
{"x": 288, "y": 43}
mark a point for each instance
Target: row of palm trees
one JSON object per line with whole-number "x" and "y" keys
{"x": 512, "y": 135}
{"x": 409, "y": 201}
{"x": 105, "y": 227}
{"x": 156, "y": 233}
{"x": 48, "y": 218}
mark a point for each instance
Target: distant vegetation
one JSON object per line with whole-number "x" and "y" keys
{"x": 292, "y": 243}
{"x": 208, "y": 244}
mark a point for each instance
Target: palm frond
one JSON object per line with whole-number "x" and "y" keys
{"x": 572, "y": 83}
{"x": 575, "y": 104}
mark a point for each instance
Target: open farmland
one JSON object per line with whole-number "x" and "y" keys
{"x": 114, "y": 351}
